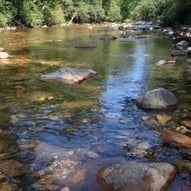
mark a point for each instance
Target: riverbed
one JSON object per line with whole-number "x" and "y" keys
{"x": 63, "y": 134}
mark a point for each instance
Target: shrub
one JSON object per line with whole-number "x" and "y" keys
{"x": 7, "y": 13}
{"x": 32, "y": 14}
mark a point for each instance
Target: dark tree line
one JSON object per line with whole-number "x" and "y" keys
{"x": 49, "y": 12}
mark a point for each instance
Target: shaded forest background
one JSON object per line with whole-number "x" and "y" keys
{"x": 52, "y": 12}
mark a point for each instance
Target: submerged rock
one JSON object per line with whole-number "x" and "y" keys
{"x": 85, "y": 45}
{"x": 12, "y": 168}
{"x": 108, "y": 37}
{"x": 136, "y": 176}
{"x": 69, "y": 75}
{"x": 157, "y": 99}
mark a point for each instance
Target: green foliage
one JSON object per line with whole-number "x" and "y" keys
{"x": 7, "y": 13}
{"x": 53, "y": 14}
{"x": 32, "y": 14}
{"x": 113, "y": 10}
{"x": 126, "y": 7}
{"x": 57, "y": 15}
{"x": 39, "y": 12}
{"x": 169, "y": 12}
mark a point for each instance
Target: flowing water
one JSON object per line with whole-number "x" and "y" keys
{"x": 64, "y": 134}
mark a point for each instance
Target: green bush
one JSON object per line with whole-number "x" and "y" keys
{"x": 57, "y": 15}
{"x": 53, "y": 15}
{"x": 7, "y": 13}
{"x": 32, "y": 14}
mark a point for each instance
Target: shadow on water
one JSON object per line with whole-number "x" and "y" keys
{"x": 64, "y": 134}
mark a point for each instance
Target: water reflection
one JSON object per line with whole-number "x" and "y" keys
{"x": 58, "y": 129}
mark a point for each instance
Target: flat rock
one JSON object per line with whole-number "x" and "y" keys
{"x": 136, "y": 176}
{"x": 163, "y": 119}
{"x": 69, "y": 75}
{"x": 157, "y": 99}
{"x": 169, "y": 136}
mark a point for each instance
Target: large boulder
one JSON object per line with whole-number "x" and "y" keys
{"x": 157, "y": 99}
{"x": 69, "y": 75}
{"x": 136, "y": 176}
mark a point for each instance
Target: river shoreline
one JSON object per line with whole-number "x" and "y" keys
{"x": 175, "y": 32}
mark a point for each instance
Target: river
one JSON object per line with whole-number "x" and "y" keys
{"x": 56, "y": 130}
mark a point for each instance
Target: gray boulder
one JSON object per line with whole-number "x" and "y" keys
{"x": 157, "y": 99}
{"x": 136, "y": 176}
{"x": 178, "y": 53}
{"x": 182, "y": 43}
{"x": 69, "y": 75}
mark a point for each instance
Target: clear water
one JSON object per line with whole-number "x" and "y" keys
{"x": 64, "y": 134}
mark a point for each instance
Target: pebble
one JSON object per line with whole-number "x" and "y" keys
{"x": 163, "y": 119}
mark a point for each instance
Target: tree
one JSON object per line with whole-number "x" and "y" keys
{"x": 83, "y": 12}
{"x": 39, "y": 12}
{"x": 31, "y": 13}
{"x": 112, "y": 10}
{"x": 7, "y": 13}
{"x": 126, "y": 7}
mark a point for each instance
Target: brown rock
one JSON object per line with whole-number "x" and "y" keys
{"x": 12, "y": 168}
{"x": 163, "y": 119}
{"x": 186, "y": 122}
{"x": 168, "y": 136}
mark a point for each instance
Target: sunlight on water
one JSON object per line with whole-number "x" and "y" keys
{"x": 59, "y": 129}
